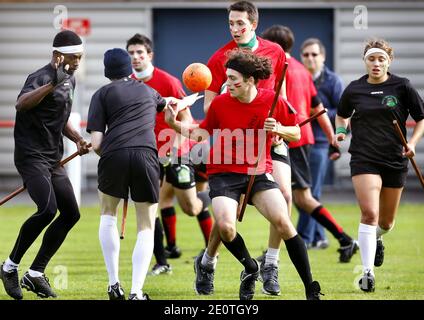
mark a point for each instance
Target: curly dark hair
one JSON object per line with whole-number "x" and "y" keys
{"x": 249, "y": 64}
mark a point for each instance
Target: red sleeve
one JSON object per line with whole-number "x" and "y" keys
{"x": 210, "y": 122}
{"x": 283, "y": 114}
{"x": 218, "y": 73}
{"x": 176, "y": 89}
{"x": 279, "y": 68}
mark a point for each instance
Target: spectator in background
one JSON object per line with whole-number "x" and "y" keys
{"x": 330, "y": 88}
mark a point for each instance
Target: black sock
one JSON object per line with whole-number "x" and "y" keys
{"x": 238, "y": 249}
{"x": 169, "y": 221}
{"x": 158, "y": 248}
{"x": 323, "y": 216}
{"x": 299, "y": 257}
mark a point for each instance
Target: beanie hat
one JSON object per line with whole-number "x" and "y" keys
{"x": 67, "y": 42}
{"x": 117, "y": 63}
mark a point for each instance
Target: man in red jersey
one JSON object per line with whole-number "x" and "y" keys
{"x": 180, "y": 177}
{"x": 303, "y": 96}
{"x": 243, "y": 20}
{"x": 243, "y": 110}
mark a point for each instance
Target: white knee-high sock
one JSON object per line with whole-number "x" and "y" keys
{"x": 367, "y": 245}
{"x": 381, "y": 231}
{"x": 142, "y": 255}
{"x": 109, "y": 241}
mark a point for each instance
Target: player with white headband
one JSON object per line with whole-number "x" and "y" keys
{"x": 379, "y": 163}
{"x": 42, "y": 113}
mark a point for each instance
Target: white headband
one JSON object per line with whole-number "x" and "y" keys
{"x": 376, "y": 50}
{"x": 70, "y": 49}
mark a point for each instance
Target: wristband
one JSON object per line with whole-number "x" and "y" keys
{"x": 341, "y": 130}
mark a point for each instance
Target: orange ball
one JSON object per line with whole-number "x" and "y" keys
{"x": 197, "y": 77}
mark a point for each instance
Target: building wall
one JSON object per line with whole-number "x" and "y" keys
{"x": 26, "y": 34}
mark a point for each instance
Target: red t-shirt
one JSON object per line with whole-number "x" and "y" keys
{"x": 236, "y": 148}
{"x": 300, "y": 91}
{"x": 265, "y": 48}
{"x": 167, "y": 86}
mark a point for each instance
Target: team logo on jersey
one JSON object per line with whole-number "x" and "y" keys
{"x": 390, "y": 101}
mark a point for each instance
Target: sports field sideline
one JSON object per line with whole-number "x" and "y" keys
{"x": 77, "y": 271}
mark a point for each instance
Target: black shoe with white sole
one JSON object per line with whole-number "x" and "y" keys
{"x": 39, "y": 285}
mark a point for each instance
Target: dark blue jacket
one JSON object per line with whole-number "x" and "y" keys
{"x": 330, "y": 88}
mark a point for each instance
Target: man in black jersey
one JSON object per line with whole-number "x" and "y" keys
{"x": 379, "y": 163}
{"x": 43, "y": 108}
{"x": 121, "y": 122}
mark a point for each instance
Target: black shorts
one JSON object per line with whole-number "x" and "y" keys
{"x": 281, "y": 153}
{"x": 300, "y": 170}
{"x": 135, "y": 169}
{"x": 391, "y": 178}
{"x": 233, "y": 185}
{"x": 181, "y": 176}
{"x": 200, "y": 174}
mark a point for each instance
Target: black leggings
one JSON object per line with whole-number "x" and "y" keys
{"x": 50, "y": 192}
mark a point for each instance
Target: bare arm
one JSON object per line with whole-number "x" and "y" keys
{"x": 189, "y": 130}
{"x": 288, "y": 133}
{"x": 209, "y": 95}
{"x": 29, "y": 100}
{"x": 74, "y": 136}
{"x": 341, "y": 123}
{"x": 416, "y": 136}
{"x": 96, "y": 141}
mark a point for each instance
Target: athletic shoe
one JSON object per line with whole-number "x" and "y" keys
{"x": 160, "y": 269}
{"x": 203, "y": 283}
{"x": 367, "y": 282}
{"x": 269, "y": 277}
{"x": 379, "y": 253}
{"x": 320, "y": 244}
{"x": 247, "y": 284}
{"x": 11, "y": 283}
{"x": 346, "y": 252}
{"x": 172, "y": 252}
{"x": 313, "y": 292}
{"x": 261, "y": 257}
{"x": 115, "y": 292}
{"x": 133, "y": 296}
{"x": 39, "y": 285}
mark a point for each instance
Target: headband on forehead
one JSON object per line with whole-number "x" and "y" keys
{"x": 376, "y": 50}
{"x": 70, "y": 49}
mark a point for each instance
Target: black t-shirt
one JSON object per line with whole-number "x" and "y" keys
{"x": 38, "y": 131}
{"x": 373, "y": 108}
{"x": 128, "y": 109}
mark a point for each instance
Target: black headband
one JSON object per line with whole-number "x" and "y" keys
{"x": 246, "y": 70}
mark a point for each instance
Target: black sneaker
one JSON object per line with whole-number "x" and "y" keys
{"x": 115, "y": 292}
{"x": 203, "y": 283}
{"x": 247, "y": 284}
{"x": 172, "y": 252}
{"x": 379, "y": 253}
{"x": 269, "y": 277}
{"x": 39, "y": 285}
{"x": 11, "y": 283}
{"x": 367, "y": 282}
{"x": 261, "y": 257}
{"x": 133, "y": 296}
{"x": 346, "y": 252}
{"x": 313, "y": 292}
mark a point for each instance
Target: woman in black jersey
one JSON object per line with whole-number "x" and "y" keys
{"x": 379, "y": 163}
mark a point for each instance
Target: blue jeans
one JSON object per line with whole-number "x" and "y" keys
{"x": 307, "y": 227}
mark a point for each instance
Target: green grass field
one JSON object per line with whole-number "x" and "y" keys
{"x": 77, "y": 271}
